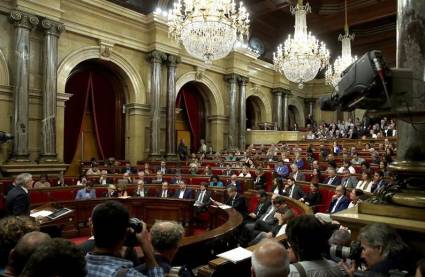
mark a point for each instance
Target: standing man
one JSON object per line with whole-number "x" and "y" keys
{"x": 17, "y": 199}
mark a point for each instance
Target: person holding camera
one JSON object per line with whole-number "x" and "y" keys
{"x": 111, "y": 229}
{"x": 383, "y": 252}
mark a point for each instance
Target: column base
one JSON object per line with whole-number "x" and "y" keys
{"x": 48, "y": 158}
{"x": 172, "y": 157}
{"x": 18, "y": 159}
{"x": 155, "y": 157}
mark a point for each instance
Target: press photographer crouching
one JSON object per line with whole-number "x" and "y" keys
{"x": 383, "y": 252}
{"x": 111, "y": 229}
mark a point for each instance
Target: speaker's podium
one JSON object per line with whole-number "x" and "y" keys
{"x": 53, "y": 220}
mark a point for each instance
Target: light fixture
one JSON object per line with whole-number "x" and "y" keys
{"x": 208, "y": 29}
{"x": 333, "y": 73}
{"x": 302, "y": 55}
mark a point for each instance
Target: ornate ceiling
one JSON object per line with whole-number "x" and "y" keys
{"x": 372, "y": 21}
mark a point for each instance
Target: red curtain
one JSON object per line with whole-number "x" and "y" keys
{"x": 92, "y": 89}
{"x": 190, "y": 98}
{"x": 74, "y": 112}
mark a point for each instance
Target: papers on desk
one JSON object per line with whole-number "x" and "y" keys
{"x": 236, "y": 255}
{"x": 42, "y": 213}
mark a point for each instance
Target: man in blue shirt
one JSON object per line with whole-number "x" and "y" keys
{"x": 86, "y": 193}
{"x": 110, "y": 226}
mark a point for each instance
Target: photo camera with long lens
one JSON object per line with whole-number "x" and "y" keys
{"x": 363, "y": 85}
{"x": 136, "y": 226}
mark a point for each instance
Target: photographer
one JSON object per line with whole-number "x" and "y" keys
{"x": 383, "y": 251}
{"x": 111, "y": 229}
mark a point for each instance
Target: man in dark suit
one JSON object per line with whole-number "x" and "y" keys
{"x": 236, "y": 201}
{"x": 17, "y": 199}
{"x": 228, "y": 171}
{"x": 202, "y": 199}
{"x": 164, "y": 170}
{"x": 296, "y": 174}
{"x": 177, "y": 180}
{"x": 233, "y": 181}
{"x": 262, "y": 206}
{"x": 183, "y": 192}
{"x": 332, "y": 180}
{"x": 292, "y": 190}
{"x": 348, "y": 181}
{"x": 165, "y": 192}
{"x": 379, "y": 183}
{"x": 339, "y": 200}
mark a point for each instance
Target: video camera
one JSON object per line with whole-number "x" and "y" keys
{"x": 137, "y": 227}
{"x": 343, "y": 252}
{"x": 4, "y": 137}
{"x": 363, "y": 85}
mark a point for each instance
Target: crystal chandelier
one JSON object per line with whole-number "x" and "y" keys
{"x": 302, "y": 56}
{"x": 208, "y": 29}
{"x": 333, "y": 73}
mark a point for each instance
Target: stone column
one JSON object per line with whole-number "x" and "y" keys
{"x": 23, "y": 23}
{"x": 171, "y": 107}
{"x": 278, "y": 107}
{"x": 242, "y": 111}
{"x": 233, "y": 109}
{"x": 52, "y": 31}
{"x": 285, "y": 94}
{"x": 156, "y": 58}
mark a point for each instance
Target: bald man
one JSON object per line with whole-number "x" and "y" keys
{"x": 270, "y": 259}
{"x": 23, "y": 250}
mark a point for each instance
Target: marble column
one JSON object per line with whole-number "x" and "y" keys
{"x": 410, "y": 55}
{"x": 233, "y": 109}
{"x": 172, "y": 61}
{"x": 278, "y": 107}
{"x": 285, "y": 120}
{"x": 52, "y": 31}
{"x": 243, "y": 81}
{"x": 156, "y": 58}
{"x": 23, "y": 23}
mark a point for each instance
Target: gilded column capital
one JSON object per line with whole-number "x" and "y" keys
{"x": 282, "y": 91}
{"x": 173, "y": 60}
{"x": 243, "y": 80}
{"x": 23, "y": 20}
{"x": 157, "y": 56}
{"x": 51, "y": 27}
{"x": 231, "y": 78}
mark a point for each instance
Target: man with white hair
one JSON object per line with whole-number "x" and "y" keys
{"x": 17, "y": 199}
{"x": 270, "y": 259}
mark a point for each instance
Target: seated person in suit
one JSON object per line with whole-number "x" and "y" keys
{"x": 122, "y": 190}
{"x": 126, "y": 179}
{"x": 158, "y": 178}
{"x": 193, "y": 169}
{"x": 215, "y": 182}
{"x": 17, "y": 199}
{"x": 245, "y": 172}
{"x": 233, "y": 181}
{"x": 313, "y": 197}
{"x": 82, "y": 181}
{"x": 235, "y": 200}
{"x": 164, "y": 170}
{"x": 278, "y": 187}
{"x": 86, "y": 193}
{"x": 141, "y": 191}
{"x": 365, "y": 183}
{"x": 339, "y": 202}
{"x": 164, "y": 193}
{"x": 332, "y": 179}
{"x": 348, "y": 180}
{"x": 263, "y": 205}
{"x": 260, "y": 179}
{"x": 296, "y": 174}
{"x": 292, "y": 190}
{"x": 103, "y": 179}
{"x": 128, "y": 169}
{"x": 177, "y": 180}
{"x": 112, "y": 191}
{"x": 228, "y": 171}
{"x": 165, "y": 237}
{"x": 281, "y": 170}
{"x": 298, "y": 160}
{"x": 42, "y": 183}
{"x": 207, "y": 171}
{"x": 202, "y": 199}
{"x": 183, "y": 192}
{"x": 147, "y": 169}
{"x": 141, "y": 178}
{"x": 379, "y": 183}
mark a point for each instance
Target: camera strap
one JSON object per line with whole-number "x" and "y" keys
{"x": 300, "y": 269}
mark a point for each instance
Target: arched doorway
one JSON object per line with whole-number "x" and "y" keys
{"x": 191, "y": 117}
{"x": 253, "y": 112}
{"x": 293, "y": 117}
{"x": 94, "y": 121}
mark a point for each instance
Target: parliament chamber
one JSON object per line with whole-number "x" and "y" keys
{"x": 212, "y": 138}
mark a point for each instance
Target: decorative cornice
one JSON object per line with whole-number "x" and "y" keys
{"x": 231, "y": 78}
{"x": 243, "y": 80}
{"x": 283, "y": 91}
{"x": 52, "y": 28}
{"x": 218, "y": 118}
{"x": 23, "y": 20}
{"x": 157, "y": 56}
